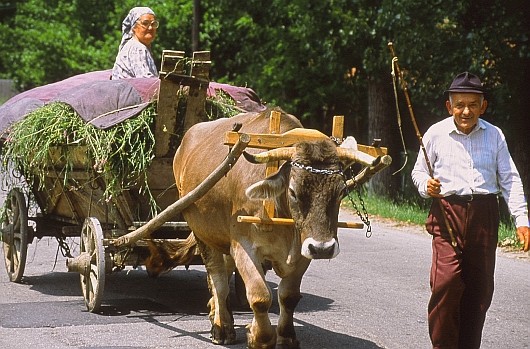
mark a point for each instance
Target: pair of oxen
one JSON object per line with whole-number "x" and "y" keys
{"x": 308, "y": 187}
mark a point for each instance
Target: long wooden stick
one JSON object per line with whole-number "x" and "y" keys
{"x": 420, "y": 139}
{"x": 172, "y": 210}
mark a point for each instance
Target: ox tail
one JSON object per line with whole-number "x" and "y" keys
{"x": 166, "y": 255}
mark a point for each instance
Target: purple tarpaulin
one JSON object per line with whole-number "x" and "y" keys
{"x": 104, "y": 102}
{"x": 107, "y": 103}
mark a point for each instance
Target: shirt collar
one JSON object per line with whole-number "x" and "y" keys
{"x": 452, "y": 126}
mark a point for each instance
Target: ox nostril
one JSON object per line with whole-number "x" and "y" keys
{"x": 320, "y": 251}
{"x": 313, "y": 249}
{"x": 328, "y": 251}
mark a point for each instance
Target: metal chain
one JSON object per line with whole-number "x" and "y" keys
{"x": 364, "y": 214}
{"x": 337, "y": 140}
{"x": 64, "y": 248}
{"x": 314, "y": 170}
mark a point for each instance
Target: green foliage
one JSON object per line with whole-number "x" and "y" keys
{"x": 314, "y": 58}
{"x": 58, "y": 39}
{"x": 295, "y": 54}
{"x": 53, "y": 41}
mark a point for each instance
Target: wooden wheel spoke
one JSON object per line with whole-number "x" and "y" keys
{"x": 15, "y": 257}
{"x": 94, "y": 275}
{"x": 85, "y": 243}
{"x": 93, "y": 281}
{"x": 15, "y": 234}
{"x": 86, "y": 285}
{"x": 10, "y": 258}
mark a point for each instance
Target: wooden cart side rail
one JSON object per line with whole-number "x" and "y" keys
{"x": 188, "y": 199}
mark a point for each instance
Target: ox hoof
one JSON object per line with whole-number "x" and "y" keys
{"x": 259, "y": 343}
{"x": 223, "y": 335}
{"x": 288, "y": 343}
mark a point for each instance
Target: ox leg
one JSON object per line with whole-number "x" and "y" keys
{"x": 222, "y": 331}
{"x": 288, "y": 298}
{"x": 260, "y": 333}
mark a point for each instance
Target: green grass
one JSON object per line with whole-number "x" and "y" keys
{"x": 416, "y": 213}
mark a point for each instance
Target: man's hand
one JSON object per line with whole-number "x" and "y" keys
{"x": 434, "y": 187}
{"x": 523, "y": 233}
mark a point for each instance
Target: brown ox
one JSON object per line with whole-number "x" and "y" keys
{"x": 308, "y": 188}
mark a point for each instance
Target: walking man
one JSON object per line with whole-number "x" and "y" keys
{"x": 471, "y": 167}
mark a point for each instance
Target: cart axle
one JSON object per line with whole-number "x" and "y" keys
{"x": 79, "y": 264}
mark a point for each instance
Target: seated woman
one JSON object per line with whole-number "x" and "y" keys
{"x": 134, "y": 59}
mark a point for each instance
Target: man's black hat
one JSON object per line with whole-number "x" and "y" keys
{"x": 466, "y": 82}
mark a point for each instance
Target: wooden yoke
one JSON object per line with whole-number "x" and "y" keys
{"x": 276, "y": 140}
{"x": 272, "y": 167}
{"x": 337, "y": 132}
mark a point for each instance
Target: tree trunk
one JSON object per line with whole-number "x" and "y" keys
{"x": 195, "y": 28}
{"x": 382, "y": 124}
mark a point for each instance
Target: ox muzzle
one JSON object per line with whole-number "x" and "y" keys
{"x": 313, "y": 249}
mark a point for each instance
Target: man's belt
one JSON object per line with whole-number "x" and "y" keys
{"x": 469, "y": 197}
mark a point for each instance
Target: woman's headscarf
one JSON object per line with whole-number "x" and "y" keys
{"x": 128, "y": 23}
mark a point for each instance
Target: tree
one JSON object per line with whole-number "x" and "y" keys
{"x": 58, "y": 39}
{"x": 433, "y": 46}
{"x": 315, "y": 59}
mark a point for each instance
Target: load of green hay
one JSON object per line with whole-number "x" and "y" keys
{"x": 43, "y": 141}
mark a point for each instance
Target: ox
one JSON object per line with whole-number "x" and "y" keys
{"x": 308, "y": 188}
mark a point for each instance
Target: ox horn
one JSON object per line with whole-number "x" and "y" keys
{"x": 284, "y": 153}
{"x": 356, "y": 156}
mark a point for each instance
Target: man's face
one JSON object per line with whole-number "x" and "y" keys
{"x": 466, "y": 109}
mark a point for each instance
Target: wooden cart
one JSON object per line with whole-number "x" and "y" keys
{"x": 74, "y": 206}
{"x": 115, "y": 234}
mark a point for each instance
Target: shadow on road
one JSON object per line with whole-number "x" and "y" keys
{"x": 54, "y": 284}
{"x": 168, "y": 302}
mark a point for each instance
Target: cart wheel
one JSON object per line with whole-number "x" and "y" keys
{"x": 93, "y": 280}
{"x": 14, "y": 230}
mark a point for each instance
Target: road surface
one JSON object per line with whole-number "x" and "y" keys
{"x": 373, "y": 295}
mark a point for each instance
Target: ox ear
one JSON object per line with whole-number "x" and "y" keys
{"x": 271, "y": 186}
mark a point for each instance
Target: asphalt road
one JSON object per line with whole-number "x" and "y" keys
{"x": 373, "y": 295}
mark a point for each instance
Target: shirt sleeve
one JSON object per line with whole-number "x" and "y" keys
{"x": 420, "y": 172}
{"x": 510, "y": 184}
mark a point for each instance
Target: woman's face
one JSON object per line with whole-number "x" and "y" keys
{"x": 145, "y": 29}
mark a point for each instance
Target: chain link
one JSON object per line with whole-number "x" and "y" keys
{"x": 337, "y": 140}
{"x": 64, "y": 248}
{"x": 314, "y": 170}
{"x": 362, "y": 213}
